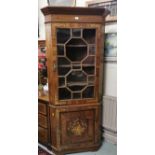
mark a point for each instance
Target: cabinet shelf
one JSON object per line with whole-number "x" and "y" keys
{"x": 75, "y": 46}
{"x": 76, "y": 84}
{"x": 83, "y": 65}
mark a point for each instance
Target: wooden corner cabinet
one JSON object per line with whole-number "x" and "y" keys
{"x": 74, "y": 44}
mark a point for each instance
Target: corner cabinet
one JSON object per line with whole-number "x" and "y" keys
{"x": 74, "y": 42}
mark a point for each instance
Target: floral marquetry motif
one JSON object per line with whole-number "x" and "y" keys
{"x": 77, "y": 127}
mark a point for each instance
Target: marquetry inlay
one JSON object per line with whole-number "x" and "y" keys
{"x": 77, "y": 127}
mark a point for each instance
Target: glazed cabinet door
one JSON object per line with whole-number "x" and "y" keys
{"x": 76, "y": 63}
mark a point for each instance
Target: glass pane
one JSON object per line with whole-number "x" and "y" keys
{"x": 76, "y": 42}
{"x": 63, "y": 61}
{"x": 74, "y": 66}
{"x": 89, "y": 60}
{"x": 76, "y": 53}
{"x": 76, "y": 49}
{"x": 63, "y": 70}
{"x": 89, "y": 70}
{"x": 76, "y": 88}
{"x": 89, "y": 35}
{"x": 76, "y": 95}
{"x": 63, "y": 35}
{"x": 88, "y": 92}
{"x": 64, "y": 93}
{"x": 91, "y": 78}
{"x": 76, "y": 32}
{"x": 60, "y": 50}
{"x": 92, "y": 49}
{"x": 61, "y": 81}
{"x": 76, "y": 76}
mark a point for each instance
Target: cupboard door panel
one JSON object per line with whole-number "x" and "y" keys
{"x": 77, "y": 127}
{"x": 42, "y": 120}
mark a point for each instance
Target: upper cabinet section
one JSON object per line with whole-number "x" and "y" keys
{"x": 74, "y": 46}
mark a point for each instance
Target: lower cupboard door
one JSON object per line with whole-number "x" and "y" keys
{"x": 77, "y": 127}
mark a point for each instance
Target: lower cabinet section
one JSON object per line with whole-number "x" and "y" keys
{"x": 43, "y": 135}
{"x": 75, "y": 128}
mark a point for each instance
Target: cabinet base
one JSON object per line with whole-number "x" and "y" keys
{"x": 86, "y": 149}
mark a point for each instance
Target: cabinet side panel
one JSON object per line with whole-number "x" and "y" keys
{"x": 101, "y": 55}
{"x": 49, "y": 56}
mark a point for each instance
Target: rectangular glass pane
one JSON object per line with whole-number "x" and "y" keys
{"x": 76, "y": 96}
{"x": 76, "y": 32}
{"x": 92, "y": 50}
{"x": 63, "y": 35}
{"x": 60, "y": 50}
{"x": 89, "y": 35}
{"x": 61, "y": 81}
{"x": 88, "y": 92}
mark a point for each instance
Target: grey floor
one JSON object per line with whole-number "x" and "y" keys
{"x": 106, "y": 149}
